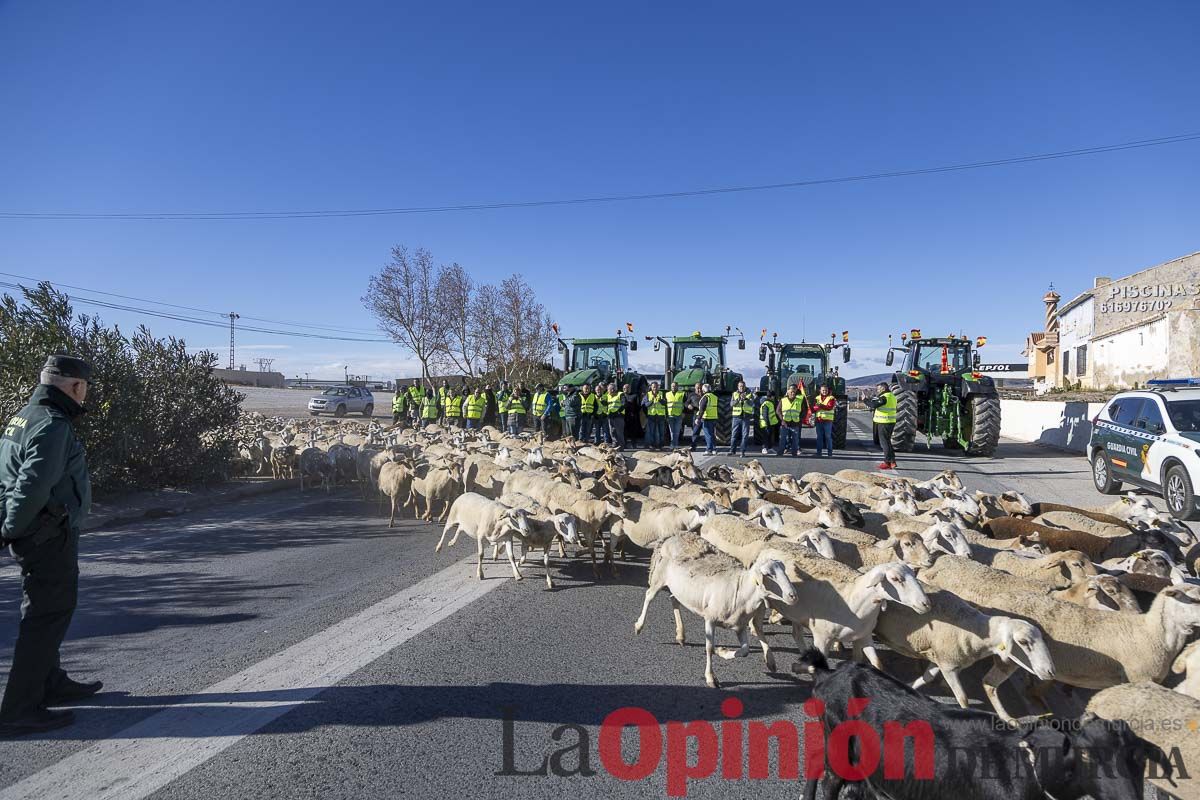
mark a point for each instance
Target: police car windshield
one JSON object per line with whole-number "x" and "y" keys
{"x": 1185, "y": 415}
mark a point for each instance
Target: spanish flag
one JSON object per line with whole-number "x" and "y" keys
{"x": 845, "y": 337}
{"x": 763, "y": 334}
{"x": 554, "y": 327}
{"x": 629, "y": 327}
{"x": 980, "y": 341}
{"x": 915, "y": 333}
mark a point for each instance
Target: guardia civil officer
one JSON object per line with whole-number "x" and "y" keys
{"x": 45, "y": 494}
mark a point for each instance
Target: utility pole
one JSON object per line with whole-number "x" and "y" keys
{"x": 232, "y": 317}
{"x": 264, "y": 364}
{"x": 347, "y": 369}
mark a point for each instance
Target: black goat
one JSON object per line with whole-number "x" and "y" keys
{"x": 975, "y": 756}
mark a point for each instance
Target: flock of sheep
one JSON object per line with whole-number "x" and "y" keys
{"x": 1102, "y": 599}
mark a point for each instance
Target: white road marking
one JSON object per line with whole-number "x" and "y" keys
{"x": 147, "y": 756}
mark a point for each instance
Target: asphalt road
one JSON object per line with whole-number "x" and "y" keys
{"x": 294, "y": 646}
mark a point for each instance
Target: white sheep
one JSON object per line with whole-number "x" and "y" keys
{"x": 435, "y": 485}
{"x": 718, "y": 589}
{"x": 395, "y": 483}
{"x": 1091, "y": 649}
{"x": 1165, "y": 719}
{"x": 1187, "y": 663}
{"x": 545, "y": 527}
{"x": 485, "y": 520}
{"x": 646, "y": 522}
{"x": 953, "y": 635}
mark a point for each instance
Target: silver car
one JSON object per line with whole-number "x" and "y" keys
{"x": 343, "y": 400}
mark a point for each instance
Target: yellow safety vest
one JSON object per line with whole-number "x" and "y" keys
{"x": 502, "y": 403}
{"x": 654, "y": 404}
{"x": 539, "y": 403}
{"x": 562, "y": 405}
{"x": 587, "y": 404}
{"x": 399, "y": 401}
{"x": 476, "y": 405}
{"x": 766, "y": 414}
{"x": 429, "y": 407}
{"x": 675, "y": 403}
{"x": 515, "y": 404}
{"x": 886, "y": 413}
{"x": 742, "y": 405}
{"x": 453, "y": 406}
{"x": 791, "y": 409}
{"x": 616, "y": 404}
{"x": 601, "y": 404}
{"x": 824, "y": 406}
{"x": 711, "y": 408}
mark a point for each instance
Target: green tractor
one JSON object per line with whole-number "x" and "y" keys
{"x": 940, "y": 393}
{"x": 791, "y": 363}
{"x": 596, "y": 361}
{"x": 699, "y": 359}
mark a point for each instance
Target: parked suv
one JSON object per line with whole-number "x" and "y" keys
{"x": 1151, "y": 439}
{"x": 343, "y": 400}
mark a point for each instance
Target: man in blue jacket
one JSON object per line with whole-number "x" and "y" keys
{"x": 45, "y": 494}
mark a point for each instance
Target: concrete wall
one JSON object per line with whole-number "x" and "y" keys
{"x": 1058, "y": 424}
{"x": 1132, "y": 356}
{"x": 1184, "y": 347}
{"x": 1164, "y": 288}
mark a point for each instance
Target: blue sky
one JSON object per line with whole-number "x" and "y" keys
{"x": 233, "y": 106}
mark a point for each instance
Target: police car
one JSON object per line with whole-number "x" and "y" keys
{"x": 1151, "y": 439}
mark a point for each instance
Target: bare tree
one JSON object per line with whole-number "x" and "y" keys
{"x": 403, "y": 300}
{"x": 455, "y": 297}
{"x": 516, "y": 337}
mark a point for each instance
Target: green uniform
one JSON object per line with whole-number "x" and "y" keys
{"x": 45, "y": 495}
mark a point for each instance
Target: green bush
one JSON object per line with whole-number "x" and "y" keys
{"x": 156, "y": 415}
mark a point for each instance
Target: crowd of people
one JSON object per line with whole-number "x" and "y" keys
{"x": 620, "y": 415}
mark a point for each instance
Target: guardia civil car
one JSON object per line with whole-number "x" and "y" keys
{"x": 1151, "y": 439}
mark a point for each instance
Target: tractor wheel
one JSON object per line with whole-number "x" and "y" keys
{"x": 724, "y": 419}
{"x": 905, "y": 431}
{"x": 985, "y": 425}
{"x": 839, "y": 426}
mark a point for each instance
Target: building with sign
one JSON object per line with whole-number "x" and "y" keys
{"x": 1122, "y": 332}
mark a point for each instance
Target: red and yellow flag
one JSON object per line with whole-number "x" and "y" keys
{"x": 629, "y": 327}
{"x": 980, "y": 341}
{"x": 845, "y": 337}
{"x": 915, "y": 333}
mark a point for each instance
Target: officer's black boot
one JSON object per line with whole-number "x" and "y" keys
{"x": 66, "y": 690}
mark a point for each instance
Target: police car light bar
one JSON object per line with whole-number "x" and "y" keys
{"x": 1174, "y": 382}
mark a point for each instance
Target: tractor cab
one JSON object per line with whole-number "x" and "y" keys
{"x": 595, "y": 361}
{"x": 937, "y": 357}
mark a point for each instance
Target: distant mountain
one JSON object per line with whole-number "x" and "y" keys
{"x": 868, "y": 380}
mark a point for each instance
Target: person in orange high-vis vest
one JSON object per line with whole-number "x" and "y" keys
{"x": 824, "y": 408}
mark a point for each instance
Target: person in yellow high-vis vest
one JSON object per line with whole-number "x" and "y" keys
{"x": 615, "y": 404}
{"x": 655, "y": 404}
{"x": 452, "y": 405}
{"x": 399, "y": 406}
{"x": 741, "y": 407}
{"x": 429, "y": 408}
{"x": 476, "y": 407}
{"x": 768, "y": 424}
{"x": 587, "y": 412}
{"x": 824, "y": 408}
{"x": 707, "y": 411}
{"x": 517, "y": 403}
{"x": 884, "y": 418}
{"x": 675, "y": 400}
{"x": 791, "y": 412}
{"x": 539, "y": 409}
{"x": 600, "y": 428}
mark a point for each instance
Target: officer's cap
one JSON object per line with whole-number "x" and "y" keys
{"x": 68, "y": 367}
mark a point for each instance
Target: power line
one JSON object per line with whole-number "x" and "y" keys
{"x": 209, "y": 323}
{"x": 620, "y": 198}
{"x": 222, "y": 314}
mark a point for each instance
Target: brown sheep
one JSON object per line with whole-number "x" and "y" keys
{"x": 1098, "y": 548}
